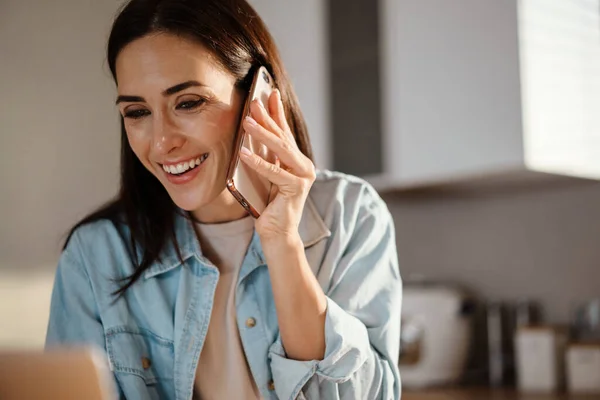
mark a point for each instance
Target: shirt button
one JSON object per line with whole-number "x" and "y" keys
{"x": 146, "y": 363}
{"x": 250, "y": 322}
{"x": 271, "y": 385}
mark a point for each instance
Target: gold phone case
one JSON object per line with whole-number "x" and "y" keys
{"x": 250, "y": 189}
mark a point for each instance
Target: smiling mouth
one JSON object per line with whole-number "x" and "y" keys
{"x": 184, "y": 167}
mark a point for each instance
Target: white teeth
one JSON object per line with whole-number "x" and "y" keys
{"x": 184, "y": 166}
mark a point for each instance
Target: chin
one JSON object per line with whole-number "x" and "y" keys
{"x": 207, "y": 189}
{"x": 192, "y": 201}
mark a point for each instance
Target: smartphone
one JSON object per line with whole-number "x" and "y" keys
{"x": 250, "y": 189}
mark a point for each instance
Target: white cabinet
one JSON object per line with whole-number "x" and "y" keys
{"x": 418, "y": 92}
{"x": 472, "y": 88}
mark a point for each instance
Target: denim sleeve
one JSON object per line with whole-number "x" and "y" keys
{"x": 362, "y": 326}
{"x": 74, "y": 317}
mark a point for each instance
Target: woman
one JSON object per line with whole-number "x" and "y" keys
{"x": 190, "y": 296}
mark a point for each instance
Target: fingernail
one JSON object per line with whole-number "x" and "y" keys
{"x": 244, "y": 150}
{"x": 278, "y": 94}
{"x": 250, "y": 120}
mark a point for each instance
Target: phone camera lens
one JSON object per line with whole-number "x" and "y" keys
{"x": 266, "y": 77}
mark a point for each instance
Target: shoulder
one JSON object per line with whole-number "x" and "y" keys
{"x": 99, "y": 247}
{"x": 97, "y": 235}
{"x": 362, "y": 229}
{"x": 345, "y": 198}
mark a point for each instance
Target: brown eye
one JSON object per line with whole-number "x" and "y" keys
{"x": 190, "y": 104}
{"x": 136, "y": 114}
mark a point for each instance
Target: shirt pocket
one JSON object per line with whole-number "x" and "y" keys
{"x": 140, "y": 352}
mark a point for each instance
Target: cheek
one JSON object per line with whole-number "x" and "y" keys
{"x": 220, "y": 129}
{"x": 229, "y": 124}
{"x": 139, "y": 143}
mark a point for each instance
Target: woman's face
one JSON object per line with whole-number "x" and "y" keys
{"x": 181, "y": 111}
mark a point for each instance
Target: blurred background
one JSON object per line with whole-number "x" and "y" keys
{"x": 478, "y": 121}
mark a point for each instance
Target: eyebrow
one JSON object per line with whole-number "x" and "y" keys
{"x": 167, "y": 92}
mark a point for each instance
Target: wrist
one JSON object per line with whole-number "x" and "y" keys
{"x": 282, "y": 244}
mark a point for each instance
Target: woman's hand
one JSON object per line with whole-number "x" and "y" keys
{"x": 299, "y": 300}
{"x": 293, "y": 178}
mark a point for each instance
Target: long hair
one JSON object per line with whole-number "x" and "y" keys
{"x": 240, "y": 42}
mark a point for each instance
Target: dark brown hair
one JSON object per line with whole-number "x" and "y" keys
{"x": 239, "y": 40}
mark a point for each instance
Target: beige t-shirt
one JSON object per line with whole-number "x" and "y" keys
{"x": 223, "y": 371}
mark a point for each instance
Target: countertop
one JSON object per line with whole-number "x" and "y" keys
{"x": 484, "y": 394}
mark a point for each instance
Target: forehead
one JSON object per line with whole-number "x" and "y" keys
{"x": 155, "y": 62}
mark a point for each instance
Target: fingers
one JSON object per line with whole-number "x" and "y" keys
{"x": 277, "y": 111}
{"x": 272, "y": 172}
{"x": 260, "y": 115}
{"x": 274, "y": 119}
{"x": 285, "y": 151}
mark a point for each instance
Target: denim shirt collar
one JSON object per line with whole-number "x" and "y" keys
{"x": 312, "y": 229}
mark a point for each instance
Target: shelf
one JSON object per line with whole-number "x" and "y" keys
{"x": 488, "y": 394}
{"x": 491, "y": 182}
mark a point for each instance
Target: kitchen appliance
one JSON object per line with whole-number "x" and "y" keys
{"x": 583, "y": 368}
{"x": 540, "y": 358}
{"x": 586, "y": 324}
{"x": 436, "y": 334}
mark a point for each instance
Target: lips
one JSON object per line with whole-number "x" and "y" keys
{"x": 185, "y": 171}
{"x": 183, "y": 167}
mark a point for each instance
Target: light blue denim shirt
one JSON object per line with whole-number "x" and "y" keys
{"x": 153, "y": 335}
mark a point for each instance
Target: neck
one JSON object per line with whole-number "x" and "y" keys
{"x": 224, "y": 208}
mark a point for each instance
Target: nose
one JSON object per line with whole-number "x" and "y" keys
{"x": 166, "y": 137}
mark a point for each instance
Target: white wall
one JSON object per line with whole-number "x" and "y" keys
{"x": 24, "y": 326}
{"x": 59, "y": 135}
{"x": 540, "y": 242}
{"x": 59, "y": 146}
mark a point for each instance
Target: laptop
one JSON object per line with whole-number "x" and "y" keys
{"x": 61, "y": 373}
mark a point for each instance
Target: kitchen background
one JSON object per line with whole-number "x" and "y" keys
{"x": 477, "y": 120}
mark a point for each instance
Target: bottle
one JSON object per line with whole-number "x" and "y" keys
{"x": 495, "y": 344}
